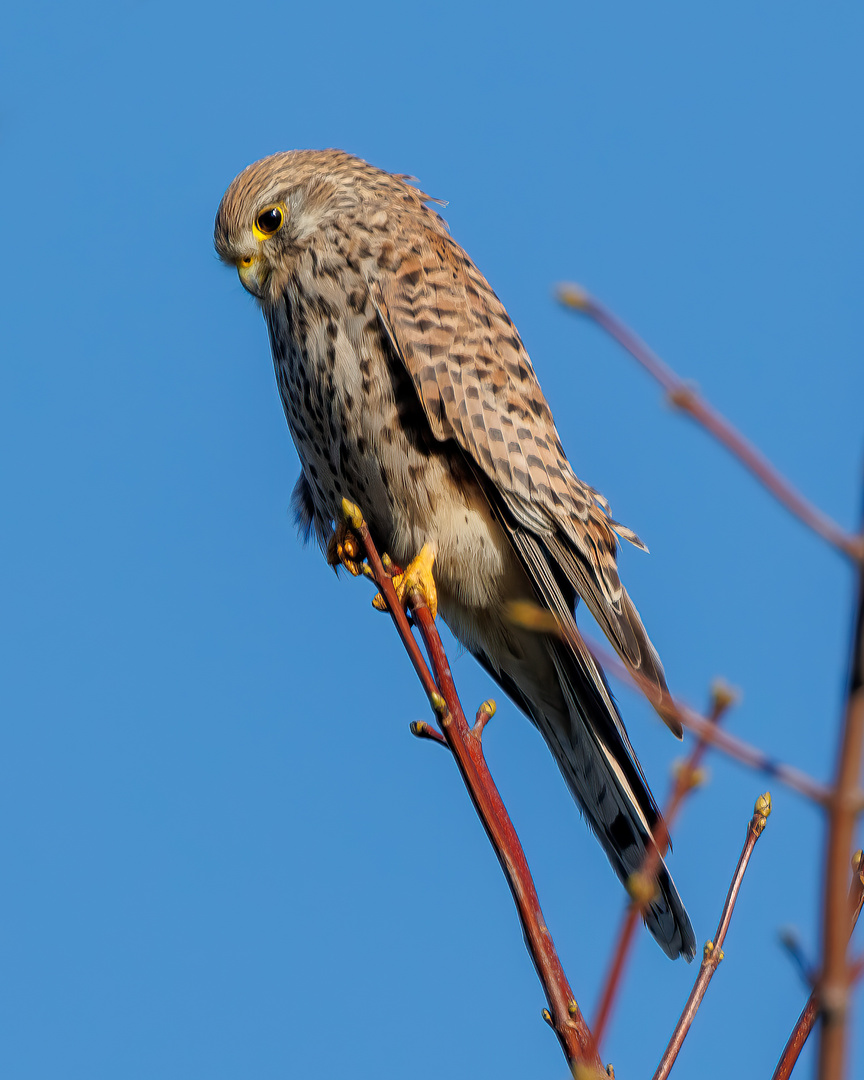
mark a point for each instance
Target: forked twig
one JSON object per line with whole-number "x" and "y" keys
{"x": 713, "y": 952}
{"x": 810, "y": 1012}
{"x": 686, "y": 398}
{"x": 563, "y": 1014}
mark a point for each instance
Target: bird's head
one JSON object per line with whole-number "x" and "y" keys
{"x": 269, "y": 211}
{"x": 278, "y": 205}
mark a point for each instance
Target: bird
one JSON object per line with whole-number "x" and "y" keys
{"x": 408, "y": 391}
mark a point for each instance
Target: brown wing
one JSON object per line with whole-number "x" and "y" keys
{"x": 478, "y": 387}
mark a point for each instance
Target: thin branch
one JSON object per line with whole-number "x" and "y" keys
{"x": 687, "y": 778}
{"x": 563, "y": 1014}
{"x": 810, "y": 1012}
{"x": 790, "y": 942}
{"x": 422, "y": 730}
{"x": 836, "y": 977}
{"x": 531, "y": 616}
{"x": 713, "y": 952}
{"x": 566, "y": 1018}
{"x": 721, "y": 740}
{"x": 686, "y": 398}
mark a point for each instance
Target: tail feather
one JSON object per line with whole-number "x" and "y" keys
{"x": 602, "y": 773}
{"x": 561, "y": 688}
{"x": 620, "y": 621}
{"x": 607, "y": 783}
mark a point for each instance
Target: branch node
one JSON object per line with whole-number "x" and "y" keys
{"x": 484, "y": 715}
{"x": 530, "y": 616}
{"x": 573, "y": 296}
{"x": 688, "y": 777}
{"x": 572, "y": 1007}
{"x": 425, "y": 731}
{"x": 761, "y": 812}
{"x": 711, "y": 955}
{"x": 439, "y": 705}
{"x": 351, "y": 514}
{"x": 723, "y": 695}
{"x": 642, "y": 888}
{"x": 683, "y": 396}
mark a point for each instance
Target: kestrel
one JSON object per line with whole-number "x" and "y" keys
{"x": 409, "y": 392}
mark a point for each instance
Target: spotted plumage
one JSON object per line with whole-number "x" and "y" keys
{"x": 408, "y": 390}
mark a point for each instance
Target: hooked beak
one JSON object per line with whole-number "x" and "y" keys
{"x": 251, "y": 274}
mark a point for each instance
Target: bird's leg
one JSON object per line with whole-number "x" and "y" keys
{"x": 417, "y": 575}
{"x": 344, "y": 549}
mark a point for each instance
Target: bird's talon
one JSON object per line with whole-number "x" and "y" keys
{"x": 344, "y": 549}
{"x": 418, "y": 575}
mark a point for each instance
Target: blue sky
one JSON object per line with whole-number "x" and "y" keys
{"x": 224, "y": 855}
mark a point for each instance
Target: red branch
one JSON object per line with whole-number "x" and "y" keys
{"x": 563, "y": 1014}
{"x": 713, "y": 953}
{"x": 810, "y": 1012}
{"x": 686, "y": 398}
{"x": 686, "y": 779}
{"x": 843, "y": 808}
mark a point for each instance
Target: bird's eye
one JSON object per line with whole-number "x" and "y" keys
{"x": 269, "y": 221}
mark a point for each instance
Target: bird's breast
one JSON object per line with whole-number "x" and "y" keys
{"x": 361, "y": 434}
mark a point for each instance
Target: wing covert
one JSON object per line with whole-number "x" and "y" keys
{"x": 477, "y": 386}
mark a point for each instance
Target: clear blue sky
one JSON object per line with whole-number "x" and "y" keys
{"x": 224, "y": 856}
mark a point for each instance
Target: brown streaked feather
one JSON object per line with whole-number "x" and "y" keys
{"x": 477, "y": 386}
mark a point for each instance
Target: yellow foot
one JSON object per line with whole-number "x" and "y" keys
{"x": 344, "y": 549}
{"x": 418, "y": 576}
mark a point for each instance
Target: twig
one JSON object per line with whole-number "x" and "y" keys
{"x": 531, "y": 616}
{"x": 721, "y": 740}
{"x": 789, "y": 940}
{"x": 563, "y": 1014}
{"x": 422, "y": 730}
{"x": 687, "y": 777}
{"x": 810, "y": 1012}
{"x": 686, "y": 398}
{"x": 713, "y": 952}
{"x": 836, "y": 977}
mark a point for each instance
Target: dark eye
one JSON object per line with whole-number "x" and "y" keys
{"x": 269, "y": 221}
